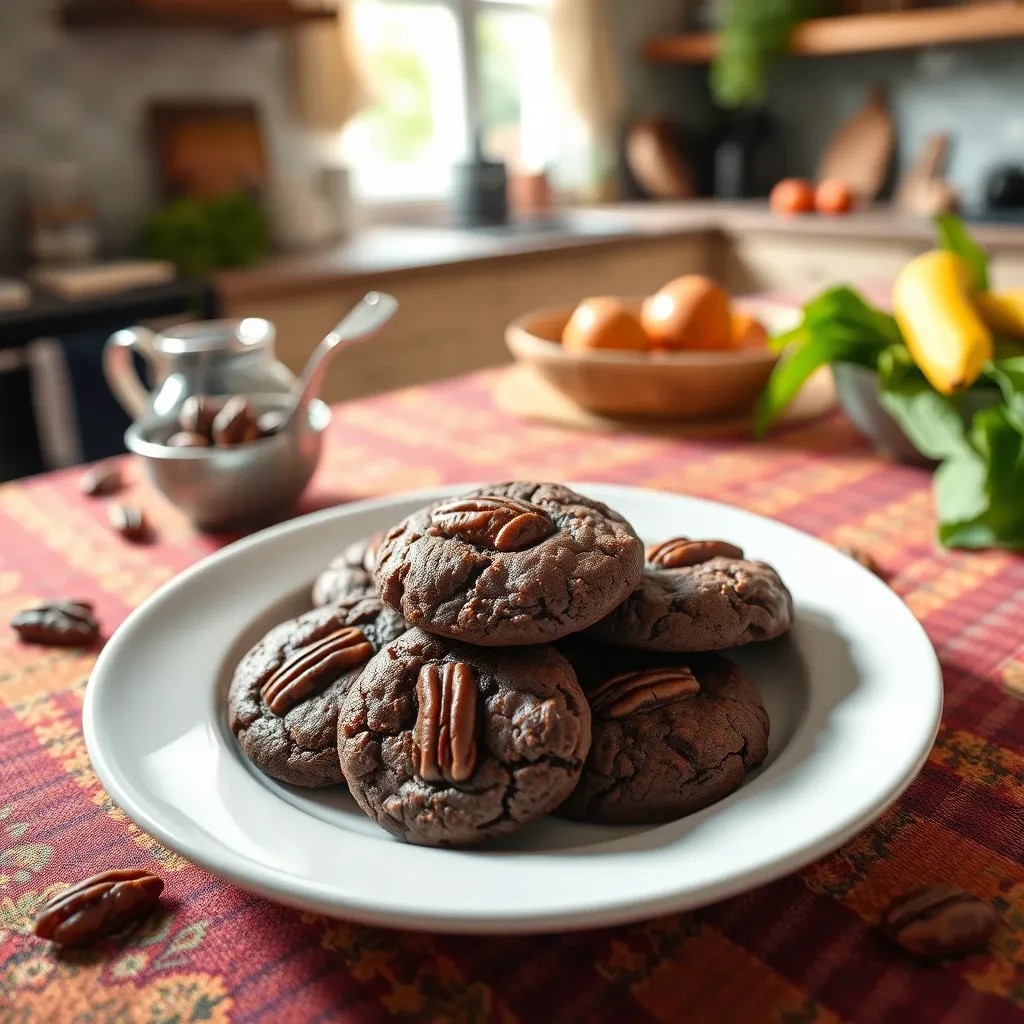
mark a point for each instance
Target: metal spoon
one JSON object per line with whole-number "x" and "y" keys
{"x": 372, "y": 312}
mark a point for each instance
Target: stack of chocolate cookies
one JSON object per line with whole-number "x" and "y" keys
{"x": 512, "y": 653}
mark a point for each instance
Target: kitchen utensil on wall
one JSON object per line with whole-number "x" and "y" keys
{"x": 213, "y": 357}
{"x": 922, "y": 191}
{"x": 862, "y": 148}
{"x": 61, "y": 215}
{"x": 209, "y": 147}
{"x": 656, "y": 160}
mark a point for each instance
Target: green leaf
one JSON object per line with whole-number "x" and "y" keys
{"x": 954, "y": 236}
{"x": 845, "y": 305}
{"x": 931, "y": 421}
{"x": 978, "y": 492}
{"x": 838, "y": 326}
{"x": 793, "y": 370}
{"x": 1009, "y": 375}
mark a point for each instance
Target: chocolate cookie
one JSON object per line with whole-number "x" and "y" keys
{"x": 671, "y": 734}
{"x": 446, "y": 744}
{"x": 350, "y": 574}
{"x": 510, "y": 564}
{"x": 284, "y": 698}
{"x": 699, "y": 596}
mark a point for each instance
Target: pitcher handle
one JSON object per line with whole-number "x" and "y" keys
{"x": 120, "y": 370}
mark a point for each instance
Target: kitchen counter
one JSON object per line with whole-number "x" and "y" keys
{"x": 375, "y": 253}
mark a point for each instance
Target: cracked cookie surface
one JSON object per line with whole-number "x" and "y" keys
{"x": 413, "y": 766}
{"x": 350, "y": 574}
{"x": 510, "y": 564}
{"x": 711, "y": 606}
{"x": 301, "y": 746}
{"x": 670, "y": 756}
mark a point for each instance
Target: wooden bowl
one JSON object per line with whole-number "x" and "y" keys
{"x": 688, "y": 385}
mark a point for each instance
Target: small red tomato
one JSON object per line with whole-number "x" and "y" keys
{"x": 791, "y": 196}
{"x": 833, "y": 197}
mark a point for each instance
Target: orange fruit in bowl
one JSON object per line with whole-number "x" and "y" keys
{"x": 691, "y": 312}
{"x": 604, "y": 322}
{"x": 792, "y": 195}
{"x": 747, "y": 330}
{"x": 833, "y": 196}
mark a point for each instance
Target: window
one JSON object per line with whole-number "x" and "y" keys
{"x": 447, "y": 73}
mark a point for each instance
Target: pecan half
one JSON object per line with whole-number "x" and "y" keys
{"x": 643, "y": 690}
{"x": 446, "y": 722}
{"x": 680, "y": 552}
{"x": 129, "y": 521}
{"x": 311, "y": 669}
{"x": 198, "y": 413}
{"x": 862, "y": 557}
{"x": 505, "y": 524}
{"x": 98, "y": 906}
{"x": 235, "y": 423}
{"x": 103, "y": 478}
{"x": 940, "y": 921}
{"x": 57, "y": 624}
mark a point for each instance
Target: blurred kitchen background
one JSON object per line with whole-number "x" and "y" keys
{"x": 170, "y": 159}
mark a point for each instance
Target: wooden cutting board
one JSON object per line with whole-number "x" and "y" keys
{"x": 524, "y": 392}
{"x": 860, "y": 152}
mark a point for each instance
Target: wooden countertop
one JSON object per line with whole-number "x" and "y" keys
{"x": 376, "y": 253}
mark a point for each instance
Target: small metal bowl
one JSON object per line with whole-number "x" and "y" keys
{"x": 225, "y": 487}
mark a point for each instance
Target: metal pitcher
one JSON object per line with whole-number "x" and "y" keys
{"x": 213, "y": 357}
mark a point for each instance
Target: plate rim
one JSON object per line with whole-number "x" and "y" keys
{"x": 305, "y": 894}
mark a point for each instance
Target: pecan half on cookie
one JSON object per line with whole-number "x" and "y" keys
{"x": 446, "y": 744}
{"x": 285, "y": 694}
{"x": 671, "y": 733}
{"x": 509, "y": 565}
{"x": 699, "y": 595}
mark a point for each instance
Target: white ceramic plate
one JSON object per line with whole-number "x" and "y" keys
{"x": 854, "y": 695}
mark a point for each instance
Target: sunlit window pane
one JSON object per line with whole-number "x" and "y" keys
{"x": 516, "y": 86}
{"x": 404, "y": 144}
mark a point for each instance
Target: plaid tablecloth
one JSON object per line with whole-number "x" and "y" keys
{"x": 801, "y": 950}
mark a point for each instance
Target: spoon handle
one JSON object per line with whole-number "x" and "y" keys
{"x": 360, "y": 324}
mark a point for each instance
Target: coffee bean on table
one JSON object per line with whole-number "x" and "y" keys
{"x": 185, "y": 439}
{"x": 198, "y": 413}
{"x": 128, "y": 521}
{"x": 98, "y": 906}
{"x": 103, "y": 478}
{"x": 940, "y": 921}
{"x": 235, "y": 423}
{"x": 57, "y": 624}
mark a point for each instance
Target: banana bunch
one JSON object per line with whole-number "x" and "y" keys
{"x": 949, "y": 327}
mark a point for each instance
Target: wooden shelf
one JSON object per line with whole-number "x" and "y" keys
{"x": 208, "y": 14}
{"x": 864, "y": 33}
